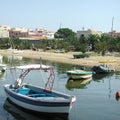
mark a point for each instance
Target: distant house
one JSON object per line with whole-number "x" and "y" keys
{"x": 36, "y": 36}
{"x": 114, "y": 34}
{"x": 4, "y": 32}
{"x": 17, "y": 32}
{"x": 86, "y": 33}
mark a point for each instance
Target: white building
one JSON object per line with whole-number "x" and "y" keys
{"x": 86, "y": 33}
{"x": 19, "y": 29}
{"x": 50, "y": 34}
{"x": 4, "y": 27}
{"x": 4, "y": 33}
{"x": 42, "y": 32}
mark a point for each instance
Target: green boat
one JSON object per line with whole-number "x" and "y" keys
{"x": 79, "y": 74}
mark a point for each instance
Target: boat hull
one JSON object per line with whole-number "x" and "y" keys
{"x": 51, "y": 105}
{"x": 14, "y": 109}
{"x": 79, "y": 74}
{"x": 84, "y": 76}
{"x": 103, "y": 69}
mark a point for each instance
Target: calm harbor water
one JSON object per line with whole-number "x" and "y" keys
{"x": 95, "y": 97}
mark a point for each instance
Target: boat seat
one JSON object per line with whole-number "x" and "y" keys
{"x": 24, "y": 91}
{"x": 36, "y": 95}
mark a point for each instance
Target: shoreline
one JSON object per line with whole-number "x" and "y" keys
{"x": 66, "y": 58}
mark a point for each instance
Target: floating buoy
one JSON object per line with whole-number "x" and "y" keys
{"x": 118, "y": 94}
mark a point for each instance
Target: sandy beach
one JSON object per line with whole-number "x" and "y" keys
{"x": 63, "y": 57}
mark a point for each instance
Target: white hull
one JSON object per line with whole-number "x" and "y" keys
{"x": 40, "y": 109}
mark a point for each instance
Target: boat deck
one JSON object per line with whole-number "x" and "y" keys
{"x": 34, "y": 93}
{"x": 38, "y": 94}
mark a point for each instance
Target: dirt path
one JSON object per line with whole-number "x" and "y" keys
{"x": 64, "y": 58}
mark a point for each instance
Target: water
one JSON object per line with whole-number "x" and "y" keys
{"x": 95, "y": 98}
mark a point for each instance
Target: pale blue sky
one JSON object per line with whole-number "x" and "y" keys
{"x": 51, "y": 14}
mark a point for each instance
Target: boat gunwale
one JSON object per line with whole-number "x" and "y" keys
{"x": 59, "y": 101}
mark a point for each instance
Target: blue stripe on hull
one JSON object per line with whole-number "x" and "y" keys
{"x": 61, "y": 116}
{"x": 36, "y": 102}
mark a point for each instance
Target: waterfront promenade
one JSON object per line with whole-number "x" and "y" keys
{"x": 64, "y": 57}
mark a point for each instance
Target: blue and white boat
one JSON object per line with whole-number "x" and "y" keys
{"x": 38, "y": 99}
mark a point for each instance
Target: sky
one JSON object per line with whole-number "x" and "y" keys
{"x": 54, "y": 14}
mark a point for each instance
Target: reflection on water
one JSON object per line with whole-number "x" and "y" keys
{"x": 97, "y": 77}
{"x": 16, "y": 60}
{"x": 95, "y": 98}
{"x": 11, "y": 58}
{"x": 78, "y": 84}
{"x": 117, "y": 98}
{"x": 21, "y": 114}
{"x": 2, "y": 75}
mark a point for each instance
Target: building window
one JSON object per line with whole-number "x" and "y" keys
{"x": 82, "y": 35}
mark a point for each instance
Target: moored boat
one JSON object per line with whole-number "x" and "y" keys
{"x": 79, "y": 74}
{"x": 105, "y": 67}
{"x": 38, "y": 99}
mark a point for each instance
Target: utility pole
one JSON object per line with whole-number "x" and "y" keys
{"x": 60, "y": 25}
{"x": 112, "y": 26}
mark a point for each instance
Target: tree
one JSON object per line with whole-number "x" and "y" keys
{"x": 93, "y": 39}
{"x": 4, "y": 43}
{"x": 83, "y": 43}
{"x": 116, "y": 44}
{"x": 66, "y": 38}
{"x": 101, "y": 47}
{"x": 64, "y": 33}
{"x": 25, "y": 44}
{"x": 103, "y": 44}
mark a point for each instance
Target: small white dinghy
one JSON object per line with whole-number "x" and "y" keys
{"x": 79, "y": 74}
